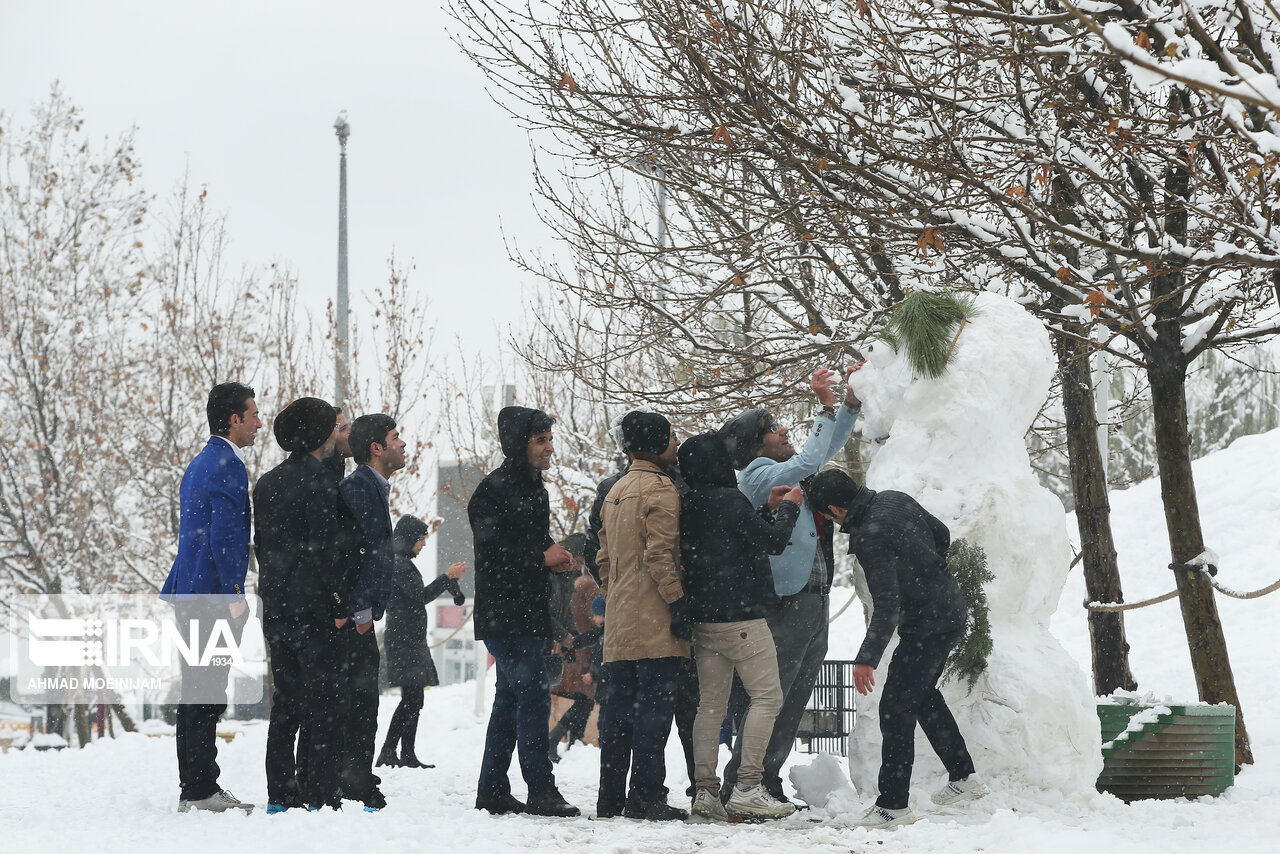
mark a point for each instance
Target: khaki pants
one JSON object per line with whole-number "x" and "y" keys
{"x": 719, "y": 649}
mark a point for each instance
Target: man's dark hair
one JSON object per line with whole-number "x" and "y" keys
{"x": 831, "y": 487}
{"x": 541, "y": 422}
{"x": 225, "y": 400}
{"x": 368, "y": 430}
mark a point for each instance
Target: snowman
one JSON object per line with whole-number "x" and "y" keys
{"x": 955, "y": 443}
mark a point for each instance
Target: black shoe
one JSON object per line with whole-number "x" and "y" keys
{"x": 609, "y": 810}
{"x": 552, "y": 803}
{"x": 375, "y": 801}
{"x": 500, "y": 805}
{"x": 389, "y": 759}
{"x": 414, "y": 762}
{"x": 654, "y": 811}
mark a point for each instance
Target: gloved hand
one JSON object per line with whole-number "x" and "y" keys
{"x": 681, "y": 621}
{"x": 451, "y": 585}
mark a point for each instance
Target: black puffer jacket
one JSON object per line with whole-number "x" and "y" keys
{"x": 903, "y": 551}
{"x": 724, "y": 541}
{"x": 408, "y": 656}
{"x": 511, "y": 525}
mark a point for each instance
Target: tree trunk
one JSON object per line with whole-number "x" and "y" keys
{"x": 1209, "y": 660}
{"x": 1107, "y": 642}
{"x": 1167, "y": 372}
{"x": 123, "y": 716}
{"x": 80, "y": 713}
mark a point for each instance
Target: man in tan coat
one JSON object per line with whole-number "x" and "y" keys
{"x": 647, "y": 630}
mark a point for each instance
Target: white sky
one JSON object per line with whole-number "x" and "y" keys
{"x": 244, "y": 95}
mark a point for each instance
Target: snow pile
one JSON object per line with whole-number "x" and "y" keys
{"x": 824, "y": 784}
{"x": 955, "y": 444}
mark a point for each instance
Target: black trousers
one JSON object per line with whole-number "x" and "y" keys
{"x": 911, "y": 695}
{"x": 635, "y": 722}
{"x": 575, "y": 719}
{"x": 202, "y": 701}
{"x": 309, "y": 672}
{"x": 687, "y": 697}
{"x": 362, "y": 714}
{"x": 403, "y": 729}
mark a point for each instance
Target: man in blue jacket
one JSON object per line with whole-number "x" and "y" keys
{"x": 379, "y": 453}
{"x": 764, "y": 456}
{"x": 213, "y": 557}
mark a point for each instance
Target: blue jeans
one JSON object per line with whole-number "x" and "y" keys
{"x": 518, "y": 718}
{"x": 635, "y": 721}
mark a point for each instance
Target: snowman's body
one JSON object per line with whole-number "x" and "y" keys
{"x": 956, "y": 445}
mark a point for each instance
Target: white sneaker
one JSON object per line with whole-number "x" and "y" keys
{"x": 219, "y": 801}
{"x": 882, "y": 818}
{"x": 707, "y": 806}
{"x": 755, "y": 803}
{"x": 968, "y": 789}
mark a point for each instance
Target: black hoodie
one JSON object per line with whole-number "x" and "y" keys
{"x": 511, "y": 524}
{"x": 724, "y": 541}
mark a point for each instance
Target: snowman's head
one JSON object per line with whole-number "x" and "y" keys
{"x": 996, "y": 378}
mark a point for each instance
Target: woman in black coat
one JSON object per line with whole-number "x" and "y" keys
{"x": 409, "y": 663}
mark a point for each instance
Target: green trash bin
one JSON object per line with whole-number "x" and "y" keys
{"x": 1156, "y": 751}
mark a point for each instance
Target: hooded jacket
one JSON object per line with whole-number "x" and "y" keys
{"x": 903, "y": 551}
{"x": 408, "y": 657}
{"x": 510, "y": 517}
{"x": 724, "y": 541}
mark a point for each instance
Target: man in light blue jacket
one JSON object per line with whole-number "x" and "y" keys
{"x": 763, "y": 454}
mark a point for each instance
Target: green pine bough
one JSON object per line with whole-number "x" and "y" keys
{"x": 968, "y": 661}
{"x": 926, "y": 325}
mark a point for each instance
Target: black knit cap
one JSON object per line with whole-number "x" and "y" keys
{"x": 305, "y": 424}
{"x": 645, "y": 432}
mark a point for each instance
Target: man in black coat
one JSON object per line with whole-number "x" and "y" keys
{"x": 379, "y": 453}
{"x": 724, "y": 547}
{"x": 305, "y": 538}
{"x": 409, "y": 664}
{"x": 510, "y": 517}
{"x": 902, "y": 548}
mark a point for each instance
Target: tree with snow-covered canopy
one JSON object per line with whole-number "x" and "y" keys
{"x": 821, "y": 158}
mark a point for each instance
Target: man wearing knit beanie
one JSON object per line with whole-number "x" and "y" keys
{"x": 687, "y": 683}
{"x": 305, "y": 425}
{"x": 648, "y": 631}
{"x": 306, "y": 538}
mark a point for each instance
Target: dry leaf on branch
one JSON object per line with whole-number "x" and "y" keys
{"x": 930, "y": 239}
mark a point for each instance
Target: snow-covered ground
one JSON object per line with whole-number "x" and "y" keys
{"x": 120, "y": 795}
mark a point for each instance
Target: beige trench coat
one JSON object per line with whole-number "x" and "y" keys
{"x": 639, "y": 561}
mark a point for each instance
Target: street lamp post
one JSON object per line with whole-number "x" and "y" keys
{"x": 342, "y": 333}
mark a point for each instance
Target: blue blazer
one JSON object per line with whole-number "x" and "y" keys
{"x": 213, "y": 527}
{"x": 792, "y": 568}
{"x": 377, "y": 554}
